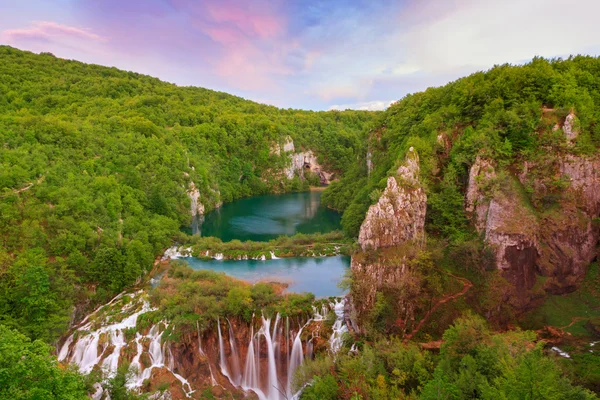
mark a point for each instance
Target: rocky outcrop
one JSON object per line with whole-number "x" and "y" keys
{"x": 197, "y": 208}
{"x": 301, "y": 162}
{"x": 569, "y": 127}
{"x": 391, "y": 236}
{"x": 583, "y": 174}
{"x": 507, "y": 226}
{"x": 399, "y": 214}
{"x": 477, "y": 203}
{"x": 571, "y": 235}
{"x": 558, "y": 243}
{"x": 286, "y": 147}
{"x": 307, "y": 161}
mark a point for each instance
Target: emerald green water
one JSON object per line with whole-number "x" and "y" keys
{"x": 263, "y": 218}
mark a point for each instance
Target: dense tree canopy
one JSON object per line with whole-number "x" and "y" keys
{"x": 95, "y": 164}
{"x": 499, "y": 111}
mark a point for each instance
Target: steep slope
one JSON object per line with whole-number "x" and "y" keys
{"x": 509, "y": 165}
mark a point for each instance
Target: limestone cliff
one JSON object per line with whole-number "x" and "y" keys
{"x": 507, "y": 225}
{"x": 197, "y": 208}
{"x": 300, "y": 162}
{"x": 399, "y": 214}
{"x": 307, "y": 161}
{"x": 555, "y": 237}
{"x": 390, "y": 237}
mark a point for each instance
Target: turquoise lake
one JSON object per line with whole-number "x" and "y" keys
{"x": 264, "y": 218}
{"x": 318, "y": 275}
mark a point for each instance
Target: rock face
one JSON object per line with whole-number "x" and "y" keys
{"x": 399, "y": 215}
{"x": 395, "y": 226}
{"x": 300, "y": 162}
{"x": 558, "y": 243}
{"x": 507, "y": 226}
{"x": 571, "y": 235}
{"x": 476, "y": 203}
{"x": 307, "y": 161}
{"x": 288, "y": 146}
{"x": 197, "y": 208}
{"x": 569, "y": 127}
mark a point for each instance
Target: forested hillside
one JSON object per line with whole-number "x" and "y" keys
{"x": 95, "y": 165}
{"x": 498, "y": 111}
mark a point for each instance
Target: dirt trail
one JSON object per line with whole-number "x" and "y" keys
{"x": 467, "y": 284}
{"x": 29, "y": 185}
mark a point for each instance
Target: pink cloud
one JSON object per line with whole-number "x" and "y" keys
{"x": 253, "y": 22}
{"x": 252, "y": 40}
{"x": 47, "y": 30}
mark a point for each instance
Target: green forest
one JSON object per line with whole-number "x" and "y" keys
{"x": 95, "y": 165}
{"x": 95, "y": 168}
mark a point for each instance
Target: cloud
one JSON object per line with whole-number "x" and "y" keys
{"x": 376, "y": 105}
{"x": 312, "y": 54}
{"x": 487, "y": 32}
{"x": 47, "y": 30}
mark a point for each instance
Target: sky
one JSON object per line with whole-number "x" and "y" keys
{"x": 309, "y": 54}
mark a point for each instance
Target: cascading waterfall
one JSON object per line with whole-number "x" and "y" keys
{"x": 339, "y": 327}
{"x": 84, "y": 347}
{"x": 296, "y": 359}
{"x": 222, "y": 358}
{"x": 275, "y": 348}
{"x": 277, "y": 334}
{"x": 250, "y": 380}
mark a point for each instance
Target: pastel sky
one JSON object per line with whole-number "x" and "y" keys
{"x": 311, "y": 54}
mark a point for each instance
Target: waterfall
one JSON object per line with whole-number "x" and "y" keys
{"x": 339, "y": 327}
{"x": 222, "y": 359}
{"x": 235, "y": 358}
{"x": 275, "y": 348}
{"x": 273, "y": 389}
{"x": 250, "y": 380}
{"x": 295, "y": 360}
{"x": 309, "y": 349}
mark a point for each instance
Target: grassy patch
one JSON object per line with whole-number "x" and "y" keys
{"x": 570, "y": 311}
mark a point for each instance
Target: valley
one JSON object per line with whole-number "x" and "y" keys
{"x": 163, "y": 242}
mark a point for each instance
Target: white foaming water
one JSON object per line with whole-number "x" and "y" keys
{"x": 285, "y": 349}
{"x": 560, "y": 352}
{"x": 84, "y": 348}
{"x": 176, "y": 252}
{"x": 273, "y": 257}
{"x": 269, "y": 387}
{"x": 339, "y": 327}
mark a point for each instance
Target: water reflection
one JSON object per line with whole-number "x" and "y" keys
{"x": 267, "y": 217}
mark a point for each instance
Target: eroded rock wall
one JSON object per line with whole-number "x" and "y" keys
{"x": 559, "y": 241}
{"x": 399, "y": 214}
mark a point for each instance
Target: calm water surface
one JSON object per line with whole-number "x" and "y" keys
{"x": 263, "y": 218}
{"x": 318, "y": 275}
